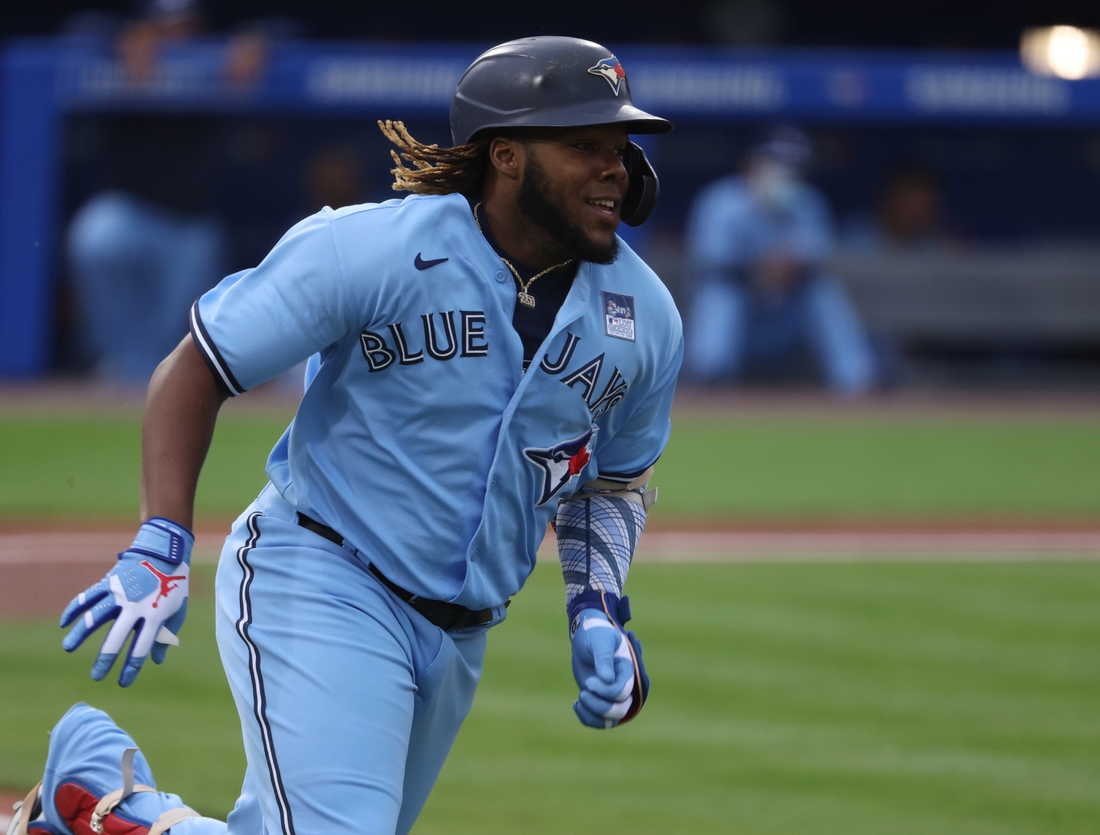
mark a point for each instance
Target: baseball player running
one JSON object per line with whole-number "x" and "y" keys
{"x": 488, "y": 357}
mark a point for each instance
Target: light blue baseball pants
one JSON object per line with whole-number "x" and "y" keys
{"x": 349, "y": 700}
{"x": 86, "y": 748}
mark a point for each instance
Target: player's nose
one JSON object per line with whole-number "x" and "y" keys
{"x": 613, "y": 170}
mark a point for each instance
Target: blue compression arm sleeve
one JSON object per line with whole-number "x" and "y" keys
{"x": 597, "y": 535}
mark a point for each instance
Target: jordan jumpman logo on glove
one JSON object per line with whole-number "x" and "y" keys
{"x": 145, "y": 594}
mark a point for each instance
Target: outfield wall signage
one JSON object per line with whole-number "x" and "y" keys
{"x": 43, "y": 79}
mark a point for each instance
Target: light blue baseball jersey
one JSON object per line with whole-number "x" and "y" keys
{"x": 420, "y": 439}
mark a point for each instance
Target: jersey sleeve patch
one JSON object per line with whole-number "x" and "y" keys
{"x": 619, "y": 316}
{"x": 211, "y": 354}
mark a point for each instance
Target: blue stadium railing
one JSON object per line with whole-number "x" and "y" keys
{"x": 44, "y": 79}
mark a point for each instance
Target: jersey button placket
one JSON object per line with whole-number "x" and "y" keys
{"x": 500, "y": 277}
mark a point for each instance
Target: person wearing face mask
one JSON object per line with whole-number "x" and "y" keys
{"x": 757, "y": 244}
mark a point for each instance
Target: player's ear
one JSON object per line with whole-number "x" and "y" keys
{"x": 506, "y": 157}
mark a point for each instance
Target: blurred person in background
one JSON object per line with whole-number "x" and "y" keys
{"x": 333, "y": 175}
{"x": 757, "y": 244}
{"x": 908, "y": 215}
{"x": 148, "y": 244}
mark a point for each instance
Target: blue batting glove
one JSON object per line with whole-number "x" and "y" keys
{"x": 145, "y": 593}
{"x": 607, "y": 666}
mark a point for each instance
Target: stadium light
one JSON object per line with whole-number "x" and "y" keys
{"x": 1064, "y": 51}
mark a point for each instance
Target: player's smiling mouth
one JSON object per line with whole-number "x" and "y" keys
{"x": 605, "y": 206}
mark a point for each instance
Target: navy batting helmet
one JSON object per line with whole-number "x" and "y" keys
{"x": 555, "y": 82}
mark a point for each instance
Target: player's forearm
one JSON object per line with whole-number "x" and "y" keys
{"x": 596, "y": 540}
{"x": 598, "y": 531}
{"x": 180, "y": 411}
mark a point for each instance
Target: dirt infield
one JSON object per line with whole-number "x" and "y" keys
{"x": 40, "y": 571}
{"x": 7, "y": 800}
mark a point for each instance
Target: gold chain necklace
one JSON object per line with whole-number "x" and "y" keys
{"x": 524, "y": 297}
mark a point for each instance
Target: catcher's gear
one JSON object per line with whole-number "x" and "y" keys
{"x": 145, "y": 593}
{"x": 555, "y": 82}
{"x": 607, "y": 662}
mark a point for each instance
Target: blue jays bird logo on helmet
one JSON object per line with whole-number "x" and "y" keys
{"x": 611, "y": 71}
{"x": 561, "y": 463}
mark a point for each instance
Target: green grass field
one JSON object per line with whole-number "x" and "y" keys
{"x": 788, "y": 699}
{"x": 55, "y": 466}
{"x": 802, "y": 699}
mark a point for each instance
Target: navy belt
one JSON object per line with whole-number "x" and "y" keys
{"x": 446, "y": 616}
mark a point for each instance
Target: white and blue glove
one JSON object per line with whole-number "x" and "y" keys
{"x": 607, "y": 661}
{"x": 145, "y": 593}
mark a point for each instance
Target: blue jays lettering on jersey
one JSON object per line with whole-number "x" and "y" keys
{"x": 420, "y": 439}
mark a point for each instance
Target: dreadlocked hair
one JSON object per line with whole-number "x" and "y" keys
{"x": 436, "y": 170}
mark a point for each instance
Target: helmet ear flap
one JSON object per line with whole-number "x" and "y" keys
{"x": 641, "y": 194}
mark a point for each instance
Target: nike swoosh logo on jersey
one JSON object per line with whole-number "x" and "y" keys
{"x": 421, "y": 264}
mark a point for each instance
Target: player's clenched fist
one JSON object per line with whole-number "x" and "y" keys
{"x": 145, "y": 593}
{"x": 607, "y": 665}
